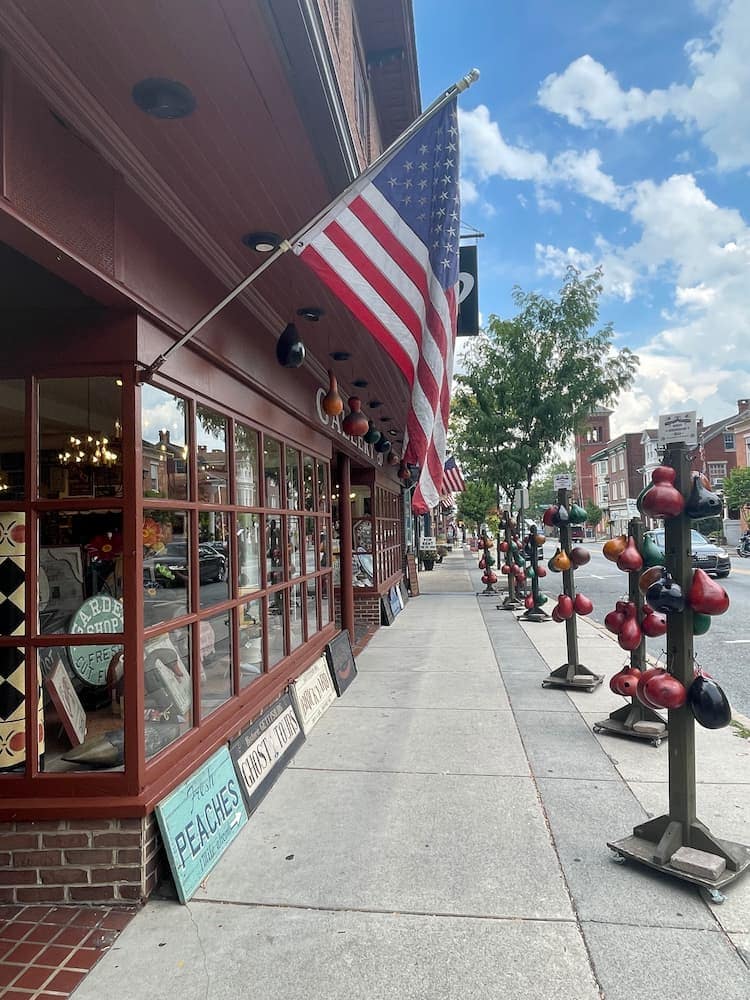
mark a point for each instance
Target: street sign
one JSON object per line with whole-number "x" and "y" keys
{"x": 564, "y": 481}
{"x": 521, "y": 498}
{"x": 675, "y": 427}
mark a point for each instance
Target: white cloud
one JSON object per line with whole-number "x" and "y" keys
{"x": 715, "y": 102}
{"x": 469, "y": 192}
{"x": 699, "y": 295}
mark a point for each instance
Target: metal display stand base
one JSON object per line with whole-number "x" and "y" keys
{"x": 510, "y": 604}
{"x": 641, "y": 847}
{"x": 535, "y": 615}
{"x": 575, "y": 676}
{"x": 621, "y": 722}
{"x": 487, "y": 592}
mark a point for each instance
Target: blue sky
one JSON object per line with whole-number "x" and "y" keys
{"x": 613, "y": 133}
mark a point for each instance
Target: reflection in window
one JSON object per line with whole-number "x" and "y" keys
{"x": 313, "y": 620}
{"x": 293, "y": 499}
{"x": 278, "y": 605}
{"x": 296, "y": 617}
{"x": 308, "y": 476}
{"x": 293, "y": 546}
{"x": 323, "y": 492}
{"x": 164, "y": 446}
{"x": 12, "y": 446}
{"x": 251, "y": 642}
{"x": 246, "y": 465}
{"x": 274, "y": 554}
{"x": 211, "y": 455}
{"x": 213, "y": 557}
{"x": 166, "y": 565}
{"x": 80, "y": 438}
{"x": 168, "y": 689}
{"x": 248, "y": 552}
{"x": 216, "y": 662}
{"x": 272, "y": 471}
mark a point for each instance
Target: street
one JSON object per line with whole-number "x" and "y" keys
{"x": 724, "y": 652}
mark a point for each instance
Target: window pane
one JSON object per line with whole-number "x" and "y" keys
{"x": 12, "y": 574}
{"x": 323, "y": 492}
{"x": 246, "y": 465}
{"x": 313, "y": 622}
{"x": 296, "y": 630}
{"x": 274, "y": 555}
{"x": 165, "y": 448}
{"x": 80, "y": 558}
{"x": 12, "y": 441}
{"x": 293, "y": 499}
{"x": 293, "y": 546}
{"x": 216, "y": 662}
{"x": 211, "y": 454}
{"x": 166, "y": 565}
{"x": 272, "y": 466}
{"x": 251, "y": 642}
{"x": 308, "y": 474}
{"x": 80, "y": 437}
{"x": 248, "y": 552}
{"x": 276, "y": 614}
{"x": 13, "y": 708}
{"x": 213, "y": 557}
{"x": 169, "y": 691}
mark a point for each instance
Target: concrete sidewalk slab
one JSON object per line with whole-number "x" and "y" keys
{"x": 434, "y": 741}
{"x": 216, "y": 952}
{"x": 559, "y": 745}
{"x": 414, "y": 843}
{"x": 380, "y": 687}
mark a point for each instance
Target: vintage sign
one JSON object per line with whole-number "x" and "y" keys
{"x": 428, "y": 543}
{"x": 263, "y": 750}
{"x": 394, "y": 601}
{"x": 386, "y": 611}
{"x": 468, "y": 292}
{"x": 199, "y": 820}
{"x": 97, "y": 615}
{"x": 563, "y": 481}
{"x": 313, "y": 694}
{"x": 67, "y": 704}
{"x": 675, "y": 427}
{"x": 341, "y": 662}
{"x": 411, "y": 574}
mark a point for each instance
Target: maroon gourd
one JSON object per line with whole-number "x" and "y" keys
{"x": 630, "y": 560}
{"x": 355, "y": 423}
{"x": 614, "y": 621}
{"x": 630, "y": 636}
{"x": 565, "y": 606}
{"x": 645, "y": 677}
{"x": 665, "y": 691}
{"x": 654, "y": 624}
{"x": 663, "y": 499}
{"x": 706, "y": 596}
{"x": 582, "y": 605}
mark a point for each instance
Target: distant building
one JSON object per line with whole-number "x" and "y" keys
{"x": 619, "y": 468}
{"x": 589, "y": 440}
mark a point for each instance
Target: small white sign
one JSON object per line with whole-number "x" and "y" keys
{"x": 521, "y": 498}
{"x": 631, "y": 508}
{"x": 427, "y": 543}
{"x": 678, "y": 427}
{"x": 313, "y": 694}
{"x": 68, "y": 704}
{"x": 563, "y": 481}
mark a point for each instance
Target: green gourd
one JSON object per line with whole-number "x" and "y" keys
{"x": 651, "y": 553}
{"x": 577, "y": 514}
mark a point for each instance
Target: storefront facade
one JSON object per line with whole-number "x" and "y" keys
{"x": 179, "y": 542}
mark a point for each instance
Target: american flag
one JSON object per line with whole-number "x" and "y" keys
{"x": 389, "y": 250}
{"x": 452, "y": 478}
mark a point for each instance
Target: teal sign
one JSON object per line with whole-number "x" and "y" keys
{"x": 199, "y": 820}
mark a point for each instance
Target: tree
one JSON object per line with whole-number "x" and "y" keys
{"x": 542, "y": 489}
{"x": 737, "y": 490}
{"x": 594, "y": 514}
{"x": 475, "y": 503}
{"x": 531, "y": 381}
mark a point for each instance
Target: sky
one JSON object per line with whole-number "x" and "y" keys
{"x": 612, "y": 133}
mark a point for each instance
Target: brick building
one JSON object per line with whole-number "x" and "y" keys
{"x": 618, "y": 472}
{"x": 589, "y": 440}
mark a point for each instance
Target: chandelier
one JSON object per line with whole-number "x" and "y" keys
{"x": 91, "y": 450}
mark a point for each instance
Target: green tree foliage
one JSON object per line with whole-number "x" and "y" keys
{"x": 542, "y": 489}
{"x": 594, "y": 514}
{"x": 475, "y": 503}
{"x": 737, "y": 489}
{"x": 531, "y": 381}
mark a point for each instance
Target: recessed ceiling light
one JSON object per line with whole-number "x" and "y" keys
{"x": 162, "y": 98}
{"x": 393, "y": 431}
{"x": 262, "y": 242}
{"x": 386, "y": 419}
{"x": 374, "y": 404}
{"x": 340, "y": 355}
{"x": 311, "y": 313}
{"x": 361, "y": 383}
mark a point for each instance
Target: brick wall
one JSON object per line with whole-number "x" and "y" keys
{"x": 80, "y": 861}
{"x": 367, "y": 609}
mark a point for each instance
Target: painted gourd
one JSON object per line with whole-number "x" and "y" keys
{"x": 665, "y": 595}
{"x": 373, "y": 435}
{"x": 355, "y": 423}
{"x": 529, "y": 601}
{"x": 541, "y": 571}
{"x": 629, "y": 637}
{"x": 665, "y": 691}
{"x": 651, "y": 554}
{"x": 701, "y": 623}
{"x": 561, "y": 517}
{"x": 651, "y": 575}
{"x": 332, "y": 403}
{"x": 556, "y": 615}
{"x": 654, "y": 624}
{"x": 663, "y": 499}
{"x": 614, "y": 548}
{"x": 614, "y": 621}
{"x": 582, "y": 605}
{"x": 708, "y": 703}
{"x": 645, "y": 677}
{"x": 548, "y": 515}
{"x": 702, "y": 502}
{"x": 577, "y": 514}
{"x": 565, "y": 606}
{"x": 290, "y": 351}
{"x": 706, "y": 595}
{"x": 630, "y": 559}
{"x": 561, "y": 561}
{"x": 579, "y": 556}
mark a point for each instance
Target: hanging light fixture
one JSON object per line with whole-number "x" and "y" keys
{"x": 91, "y": 449}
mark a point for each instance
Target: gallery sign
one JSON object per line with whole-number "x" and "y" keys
{"x": 263, "y": 750}
{"x": 199, "y": 820}
{"x": 313, "y": 694}
{"x": 102, "y": 615}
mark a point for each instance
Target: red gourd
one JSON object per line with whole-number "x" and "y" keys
{"x": 654, "y": 624}
{"x": 579, "y": 556}
{"x": 582, "y": 605}
{"x": 489, "y": 577}
{"x": 503, "y": 546}
{"x": 629, "y": 636}
{"x": 629, "y": 682}
{"x": 706, "y": 596}
{"x": 665, "y": 691}
{"x": 549, "y": 514}
{"x": 614, "y": 621}
{"x": 556, "y": 615}
{"x": 663, "y": 499}
{"x": 505, "y": 568}
{"x": 529, "y": 601}
{"x": 541, "y": 571}
{"x": 630, "y": 559}
{"x": 355, "y": 423}
{"x": 565, "y": 606}
{"x": 664, "y": 474}
{"x": 645, "y": 677}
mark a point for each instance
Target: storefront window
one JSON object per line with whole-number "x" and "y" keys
{"x": 272, "y": 471}
{"x": 251, "y": 642}
{"x": 324, "y": 496}
{"x": 12, "y": 439}
{"x": 248, "y": 552}
{"x": 313, "y": 618}
{"x": 296, "y": 617}
{"x": 274, "y": 552}
{"x": 166, "y": 565}
{"x": 278, "y": 606}
{"x": 211, "y": 454}
{"x": 165, "y": 444}
{"x": 168, "y": 689}
{"x": 80, "y": 438}
{"x": 246, "y": 465}
{"x": 214, "y": 556}
{"x": 308, "y": 479}
{"x": 216, "y": 662}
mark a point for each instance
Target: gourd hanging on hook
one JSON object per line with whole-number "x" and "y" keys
{"x": 332, "y": 404}
{"x": 355, "y": 423}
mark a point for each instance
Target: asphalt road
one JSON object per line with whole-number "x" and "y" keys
{"x": 724, "y": 652}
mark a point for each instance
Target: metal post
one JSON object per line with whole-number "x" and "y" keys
{"x": 511, "y": 602}
{"x": 346, "y": 571}
{"x": 535, "y": 613}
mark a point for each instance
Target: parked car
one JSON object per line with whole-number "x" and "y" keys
{"x": 171, "y": 565}
{"x": 713, "y": 559}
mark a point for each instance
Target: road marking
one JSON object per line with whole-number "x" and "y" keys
{"x": 745, "y": 572}
{"x": 731, "y": 642}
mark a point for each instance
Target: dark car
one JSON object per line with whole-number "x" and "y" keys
{"x": 171, "y": 565}
{"x": 711, "y": 558}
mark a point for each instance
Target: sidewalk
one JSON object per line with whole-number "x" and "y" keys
{"x": 442, "y": 836}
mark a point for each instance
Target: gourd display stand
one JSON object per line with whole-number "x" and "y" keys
{"x": 571, "y": 674}
{"x": 488, "y": 576}
{"x": 655, "y": 842}
{"x": 511, "y": 602}
{"x": 623, "y": 721}
{"x": 536, "y": 612}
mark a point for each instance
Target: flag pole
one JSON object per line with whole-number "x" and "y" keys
{"x": 458, "y": 88}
